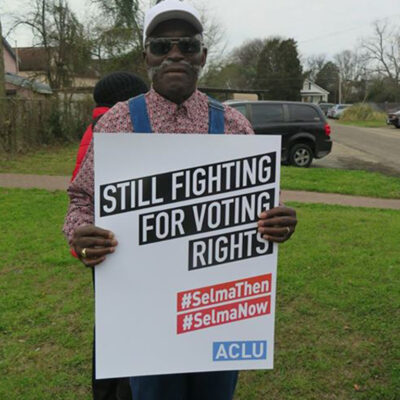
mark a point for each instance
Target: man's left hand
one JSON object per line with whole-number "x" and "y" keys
{"x": 277, "y": 224}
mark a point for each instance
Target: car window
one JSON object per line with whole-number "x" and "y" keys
{"x": 241, "y": 108}
{"x": 265, "y": 113}
{"x": 302, "y": 113}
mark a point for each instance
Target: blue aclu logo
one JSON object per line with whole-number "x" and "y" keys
{"x": 237, "y": 351}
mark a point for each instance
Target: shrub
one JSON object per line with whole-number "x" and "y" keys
{"x": 362, "y": 112}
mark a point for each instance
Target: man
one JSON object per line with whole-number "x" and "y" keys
{"x": 174, "y": 55}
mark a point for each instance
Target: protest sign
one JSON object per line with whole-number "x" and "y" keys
{"x": 191, "y": 285}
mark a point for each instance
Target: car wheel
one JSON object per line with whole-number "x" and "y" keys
{"x": 301, "y": 155}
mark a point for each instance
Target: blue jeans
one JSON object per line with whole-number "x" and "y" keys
{"x": 194, "y": 386}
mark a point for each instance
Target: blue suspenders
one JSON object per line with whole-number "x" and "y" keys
{"x": 216, "y": 120}
{"x": 139, "y": 115}
{"x": 141, "y": 122}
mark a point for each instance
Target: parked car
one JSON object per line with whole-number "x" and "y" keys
{"x": 337, "y": 110}
{"x": 393, "y": 118}
{"x": 325, "y": 107}
{"x": 303, "y": 127}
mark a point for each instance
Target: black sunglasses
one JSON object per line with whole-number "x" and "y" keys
{"x": 162, "y": 46}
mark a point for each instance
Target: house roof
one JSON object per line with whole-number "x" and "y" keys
{"x": 32, "y": 59}
{"x": 35, "y": 59}
{"x": 9, "y": 48}
{"x": 35, "y": 86}
{"x": 317, "y": 89}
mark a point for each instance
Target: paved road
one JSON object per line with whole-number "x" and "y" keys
{"x": 372, "y": 149}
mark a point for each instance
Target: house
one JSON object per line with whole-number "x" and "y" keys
{"x": 10, "y": 59}
{"x": 16, "y": 84}
{"x": 312, "y": 93}
{"x": 34, "y": 64}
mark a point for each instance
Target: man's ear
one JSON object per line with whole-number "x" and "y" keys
{"x": 204, "y": 57}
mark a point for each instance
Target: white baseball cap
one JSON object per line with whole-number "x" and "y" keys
{"x": 170, "y": 9}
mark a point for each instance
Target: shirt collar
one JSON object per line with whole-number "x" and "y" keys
{"x": 191, "y": 105}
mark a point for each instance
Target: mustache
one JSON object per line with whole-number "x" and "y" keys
{"x": 152, "y": 71}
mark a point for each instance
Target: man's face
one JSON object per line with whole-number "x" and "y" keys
{"x": 175, "y": 73}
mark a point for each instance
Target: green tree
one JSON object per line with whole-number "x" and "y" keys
{"x": 225, "y": 74}
{"x": 328, "y": 78}
{"x": 237, "y": 70}
{"x": 279, "y": 70}
{"x": 246, "y": 56}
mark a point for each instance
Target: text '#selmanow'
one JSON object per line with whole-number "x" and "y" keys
{"x": 224, "y": 314}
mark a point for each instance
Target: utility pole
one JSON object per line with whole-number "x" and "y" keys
{"x": 2, "y": 71}
{"x": 340, "y": 88}
{"x": 2, "y": 86}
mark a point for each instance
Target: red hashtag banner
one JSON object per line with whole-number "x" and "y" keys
{"x": 224, "y": 314}
{"x": 224, "y": 292}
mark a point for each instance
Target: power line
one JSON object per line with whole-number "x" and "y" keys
{"x": 344, "y": 30}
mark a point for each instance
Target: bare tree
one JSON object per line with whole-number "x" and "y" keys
{"x": 313, "y": 64}
{"x": 57, "y": 30}
{"x": 352, "y": 69}
{"x": 382, "y": 50}
{"x": 214, "y": 32}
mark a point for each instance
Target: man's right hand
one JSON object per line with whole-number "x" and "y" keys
{"x": 92, "y": 244}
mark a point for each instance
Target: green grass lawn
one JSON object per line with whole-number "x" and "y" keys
{"x": 61, "y": 161}
{"x": 365, "y": 124}
{"x": 331, "y": 180}
{"x": 337, "y": 331}
{"x": 51, "y": 160}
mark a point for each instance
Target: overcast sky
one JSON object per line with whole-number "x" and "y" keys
{"x": 319, "y": 26}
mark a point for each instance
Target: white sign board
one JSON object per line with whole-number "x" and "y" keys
{"x": 191, "y": 285}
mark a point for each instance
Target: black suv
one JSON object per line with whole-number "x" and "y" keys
{"x": 305, "y": 132}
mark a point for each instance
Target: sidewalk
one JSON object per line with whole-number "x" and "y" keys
{"x": 61, "y": 183}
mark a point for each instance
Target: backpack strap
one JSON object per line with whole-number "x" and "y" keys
{"x": 216, "y": 119}
{"x": 139, "y": 115}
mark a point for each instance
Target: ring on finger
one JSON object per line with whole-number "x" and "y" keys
{"x": 288, "y": 230}
{"x": 83, "y": 253}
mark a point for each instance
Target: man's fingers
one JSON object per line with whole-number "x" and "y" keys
{"x": 90, "y": 241}
{"x": 98, "y": 252}
{"x": 91, "y": 230}
{"x": 92, "y": 244}
{"x": 277, "y": 221}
